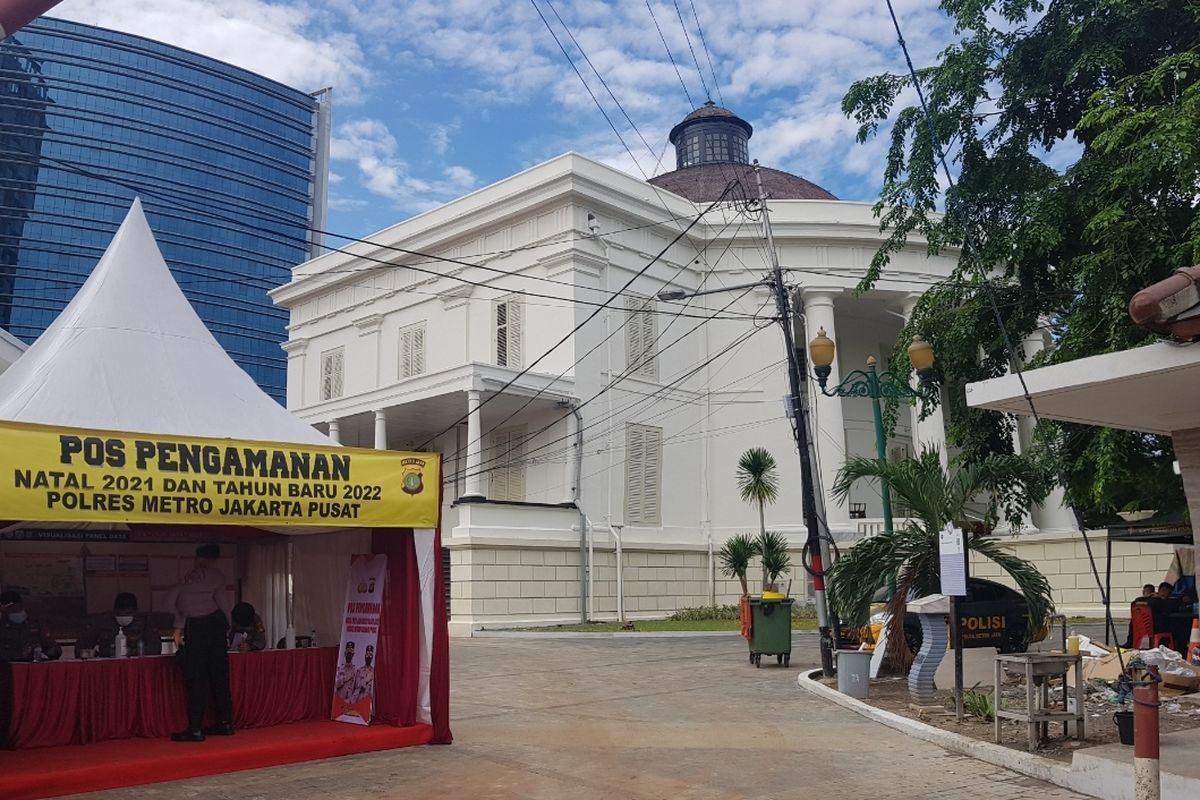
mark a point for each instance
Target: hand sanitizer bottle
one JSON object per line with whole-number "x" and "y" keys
{"x": 119, "y": 650}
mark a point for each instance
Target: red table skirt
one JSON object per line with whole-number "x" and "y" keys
{"x": 80, "y": 702}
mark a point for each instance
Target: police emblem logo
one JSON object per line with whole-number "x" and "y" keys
{"x": 414, "y": 476}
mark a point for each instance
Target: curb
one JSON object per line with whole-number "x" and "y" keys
{"x": 1034, "y": 766}
{"x": 506, "y": 634}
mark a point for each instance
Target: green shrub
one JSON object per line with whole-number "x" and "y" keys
{"x": 799, "y": 611}
{"x": 979, "y": 704}
{"x": 705, "y": 612}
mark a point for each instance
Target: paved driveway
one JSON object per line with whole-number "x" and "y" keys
{"x": 621, "y": 718}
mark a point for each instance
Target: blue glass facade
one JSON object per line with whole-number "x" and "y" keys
{"x": 222, "y": 159}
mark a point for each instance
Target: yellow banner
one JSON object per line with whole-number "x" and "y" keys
{"x": 50, "y": 474}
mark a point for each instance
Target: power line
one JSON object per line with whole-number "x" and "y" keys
{"x": 989, "y": 291}
{"x": 707, "y": 54}
{"x": 592, "y": 94}
{"x": 696, "y": 61}
{"x": 604, "y": 83}
{"x": 741, "y": 339}
{"x": 612, "y": 424}
{"x": 629, "y": 370}
{"x": 628, "y": 318}
{"x": 378, "y": 262}
{"x": 733, "y": 346}
{"x": 589, "y": 318}
{"x": 678, "y": 74}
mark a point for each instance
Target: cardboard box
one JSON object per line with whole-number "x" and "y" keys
{"x": 1181, "y": 682}
{"x": 1107, "y": 668}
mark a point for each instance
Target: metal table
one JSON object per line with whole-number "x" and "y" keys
{"x": 1038, "y": 669}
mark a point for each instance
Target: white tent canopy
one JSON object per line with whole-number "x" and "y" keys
{"x": 129, "y": 353}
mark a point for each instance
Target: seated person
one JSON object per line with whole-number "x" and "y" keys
{"x": 247, "y": 632}
{"x": 21, "y": 638}
{"x": 1147, "y": 592}
{"x": 141, "y": 637}
{"x": 1168, "y": 602}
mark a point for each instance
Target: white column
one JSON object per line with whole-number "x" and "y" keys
{"x": 335, "y": 431}
{"x": 380, "y": 429}
{"x": 1053, "y": 515}
{"x": 369, "y": 328}
{"x": 829, "y": 424}
{"x": 931, "y": 431}
{"x": 295, "y": 349}
{"x": 474, "y": 447}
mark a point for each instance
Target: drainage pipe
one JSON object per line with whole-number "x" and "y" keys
{"x": 591, "y": 557}
{"x": 584, "y": 562}
{"x": 620, "y": 572}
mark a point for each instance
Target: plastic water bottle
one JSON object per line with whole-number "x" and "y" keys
{"x": 313, "y": 638}
{"x": 141, "y": 647}
{"x": 119, "y": 650}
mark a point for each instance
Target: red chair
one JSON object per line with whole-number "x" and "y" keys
{"x": 1142, "y": 618}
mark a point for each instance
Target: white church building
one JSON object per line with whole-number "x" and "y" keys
{"x": 517, "y": 331}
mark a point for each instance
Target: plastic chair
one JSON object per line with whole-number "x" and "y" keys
{"x": 1142, "y": 618}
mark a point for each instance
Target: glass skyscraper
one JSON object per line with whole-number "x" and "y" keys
{"x": 230, "y": 167}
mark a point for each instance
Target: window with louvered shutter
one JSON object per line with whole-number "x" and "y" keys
{"x": 643, "y": 475}
{"x": 509, "y": 319}
{"x": 333, "y": 364}
{"x": 641, "y": 337}
{"x": 507, "y": 464}
{"x": 412, "y": 350}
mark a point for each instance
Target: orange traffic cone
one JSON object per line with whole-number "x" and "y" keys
{"x": 1193, "y": 651}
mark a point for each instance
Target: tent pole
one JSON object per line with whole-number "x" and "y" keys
{"x": 290, "y": 603}
{"x": 1107, "y": 586}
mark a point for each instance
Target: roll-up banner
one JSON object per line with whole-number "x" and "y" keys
{"x": 354, "y": 684}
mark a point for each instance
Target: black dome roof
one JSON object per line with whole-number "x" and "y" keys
{"x": 706, "y": 182}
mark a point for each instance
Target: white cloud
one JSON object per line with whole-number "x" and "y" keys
{"x": 370, "y": 145}
{"x": 784, "y": 64}
{"x": 292, "y": 43}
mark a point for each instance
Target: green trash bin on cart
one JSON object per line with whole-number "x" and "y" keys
{"x": 771, "y": 630}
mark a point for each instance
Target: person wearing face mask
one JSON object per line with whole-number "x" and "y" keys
{"x": 21, "y": 638}
{"x": 141, "y": 637}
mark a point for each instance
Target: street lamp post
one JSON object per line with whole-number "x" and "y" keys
{"x": 876, "y": 386}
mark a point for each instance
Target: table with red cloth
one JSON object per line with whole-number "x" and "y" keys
{"x": 80, "y": 702}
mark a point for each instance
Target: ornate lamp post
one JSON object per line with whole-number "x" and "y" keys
{"x": 876, "y": 386}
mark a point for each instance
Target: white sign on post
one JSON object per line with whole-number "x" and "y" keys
{"x": 951, "y": 552}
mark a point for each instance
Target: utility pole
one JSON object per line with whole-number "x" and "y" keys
{"x": 800, "y": 417}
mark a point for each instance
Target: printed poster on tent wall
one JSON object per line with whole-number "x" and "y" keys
{"x": 354, "y": 684}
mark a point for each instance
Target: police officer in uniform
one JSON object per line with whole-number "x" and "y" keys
{"x": 248, "y": 634}
{"x": 201, "y": 623}
{"x": 141, "y": 637}
{"x": 21, "y": 638}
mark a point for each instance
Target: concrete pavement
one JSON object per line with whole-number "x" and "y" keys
{"x": 628, "y": 718}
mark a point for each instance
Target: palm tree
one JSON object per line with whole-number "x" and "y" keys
{"x": 735, "y": 557}
{"x": 1008, "y": 486}
{"x": 758, "y": 483}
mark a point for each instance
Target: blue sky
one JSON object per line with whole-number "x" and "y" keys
{"x": 435, "y": 98}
